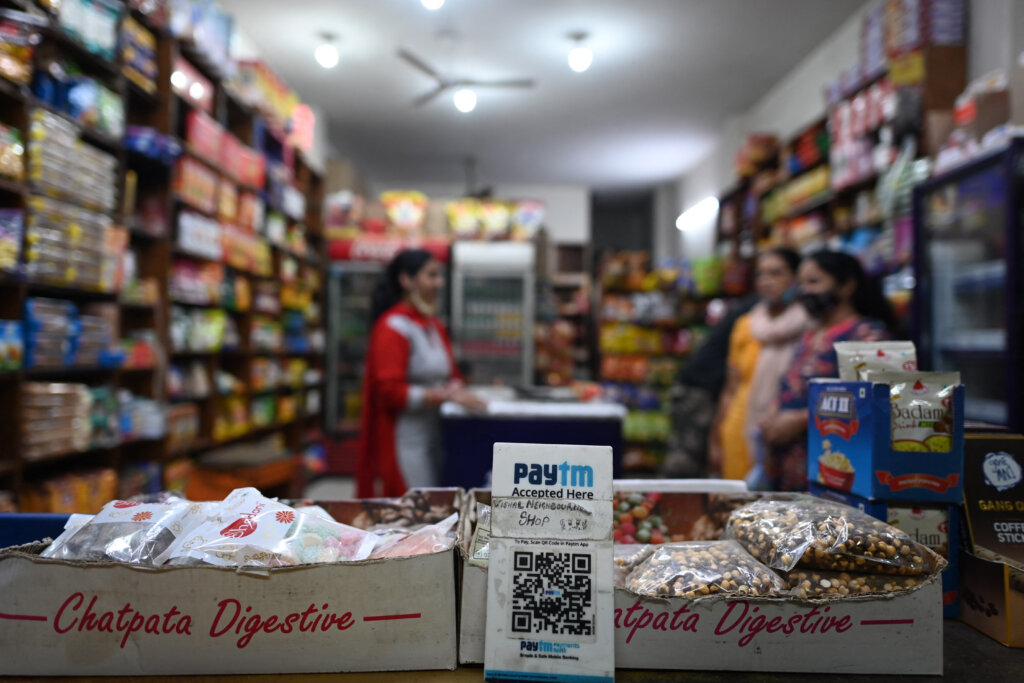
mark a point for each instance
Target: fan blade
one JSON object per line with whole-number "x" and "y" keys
{"x": 419, "y": 64}
{"x": 510, "y": 83}
{"x": 427, "y": 97}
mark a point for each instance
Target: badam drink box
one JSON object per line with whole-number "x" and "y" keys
{"x": 851, "y": 445}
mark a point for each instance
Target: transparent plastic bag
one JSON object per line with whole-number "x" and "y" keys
{"x": 627, "y": 556}
{"x": 71, "y": 527}
{"x": 825, "y": 535}
{"x": 702, "y": 568}
{"x": 480, "y": 550}
{"x": 433, "y": 538}
{"x": 132, "y": 532}
{"x": 816, "y": 583}
{"x": 247, "y": 529}
{"x": 859, "y": 360}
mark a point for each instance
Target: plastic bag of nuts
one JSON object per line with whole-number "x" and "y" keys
{"x": 812, "y": 583}
{"x": 627, "y": 557}
{"x": 821, "y": 534}
{"x": 702, "y": 568}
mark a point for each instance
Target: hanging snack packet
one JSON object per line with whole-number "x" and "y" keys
{"x": 922, "y": 409}
{"x": 464, "y": 218}
{"x": 406, "y": 210}
{"x": 432, "y": 538}
{"x": 857, "y": 360}
{"x": 822, "y": 534}
{"x": 133, "y": 532}
{"x": 698, "y": 568}
{"x": 247, "y": 529}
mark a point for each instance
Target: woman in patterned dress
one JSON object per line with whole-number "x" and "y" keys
{"x": 845, "y": 306}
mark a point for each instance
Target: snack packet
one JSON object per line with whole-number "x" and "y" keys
{"x": 858, "y": 360}
{"x": 432, "y": 538}
{"x": 701, "y": 568}
{"x": 130, "y": 531}
{"x": 922, "y": 409}
{"x": 814, "y": 583}
{"x": 247, "y": 529}
{"x": 627, "y": 557}
{"x": 464, "y": 218}
{"x": 71, "y": 527}
{"x": 822, "y": 534}
{"x": 480, "y": 550}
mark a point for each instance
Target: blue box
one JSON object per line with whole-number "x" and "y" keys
{"x": 931, "y": 524}
{"x": 853, "y": 419}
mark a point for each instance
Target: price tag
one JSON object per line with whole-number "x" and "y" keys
{"x": 550, "y": 591}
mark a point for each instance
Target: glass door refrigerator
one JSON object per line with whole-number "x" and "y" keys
{"x": 967, "y": 304}
{"x": 492, "y": 311}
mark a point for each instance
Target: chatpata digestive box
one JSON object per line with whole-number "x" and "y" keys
{"x": 851, "y": 445}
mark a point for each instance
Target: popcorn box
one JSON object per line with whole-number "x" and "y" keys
{"x": 849, "y": 447}
{"x": 903, "y": 632}
{"x": 89, "y": 618}
{"x": 934, "y": 525}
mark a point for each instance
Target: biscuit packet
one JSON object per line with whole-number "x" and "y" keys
{"x": 859, "y": 360}
{"x": 922, "y": 409}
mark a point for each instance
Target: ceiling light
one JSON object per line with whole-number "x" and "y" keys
{"x": 580, "y": 57}
{"x": 326, "y": 53}
{"x": 465, "y": 100}
{"x": 432, "y": 4}
{"x": 179, "y": 80}
{"x": 699, "y": 214}
{"x": 196, "y": 91}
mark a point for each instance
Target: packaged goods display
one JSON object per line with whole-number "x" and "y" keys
{"x": 71, "y": 493}
{"x": 12, "y": 153}
{"x": 824, "y": 535}
{"x": 61, "y": 165}
{"x": 702, "y": 568}
{"x": 922, "y": 409}
{"x": 12, "y": 346}
{"x": 196, "y": 185}
{"x": 56, "y": 418}
{"x": 93, "y": 23}
{"x": 196, "y": 283}
{"x": 200, "y": 235}
{"x": 183, "y": 424}
{"x": 151, "y": 143}
{"x": 432, "y": 538}
{"x": 859, "y": 360}
{"x": 12, "y": 225}
{"x": 138, "y": 54}
{"x": 19, "y": 35}
{"x": 204, "y": 135}
{"x": 72, "y": 247}
{"x": 198, "y": 330}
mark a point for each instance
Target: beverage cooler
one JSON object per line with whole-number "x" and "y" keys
{"x": 967, "y": 306}
{"x": 492, "y": 310}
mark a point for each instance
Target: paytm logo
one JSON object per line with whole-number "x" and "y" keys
{"x": 554, "y": 475}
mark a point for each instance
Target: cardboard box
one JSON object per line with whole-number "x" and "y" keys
{"x": 983, "y": 112}
{"x": 902, "y": 633}
{"x": 992, "y": 571}
{"x": 933, "y": 525}
{"x": 79, "y": 618}
{"x": 854, "y": 420}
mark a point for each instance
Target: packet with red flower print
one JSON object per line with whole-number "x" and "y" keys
{"x": 250, "y": 530}
{"x": 129, "y": 531}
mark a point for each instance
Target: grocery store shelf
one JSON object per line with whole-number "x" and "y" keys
{"x": 813, "y": 204}
{"x": 184, "y": 203}
{"x": 13, "y": 187}
{"x": 980, "y": 277}
{"x": 132, "y": 306}
{"x": 137, "y": 92}
{"x": 82, "y": 53}
{"x": 108, "y": 142}
{"x": 9, "y": 467}
{"x": 139, "y": 369}
{"x": 568, "y": 280}
{"x": 42, "y": 289}
{"x": 67, "y": 371}
{"x": 864, "y": 183}
{"x": 185, "y": 253}
{"x": 14, "y": 91}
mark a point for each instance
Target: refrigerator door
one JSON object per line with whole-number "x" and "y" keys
{"x": 350, "y": 289}
{"x": 964, "y": 326}
{"x": 493, "y": 310}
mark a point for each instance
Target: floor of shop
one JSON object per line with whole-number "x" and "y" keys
{"x": 969, "y": 656}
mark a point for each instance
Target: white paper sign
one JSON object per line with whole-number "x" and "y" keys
{"x": 550, "y": 591}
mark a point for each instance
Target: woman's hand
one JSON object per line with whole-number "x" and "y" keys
{"x": 784, "y": 426}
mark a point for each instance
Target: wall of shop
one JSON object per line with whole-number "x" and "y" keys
{"x": 567, "y": 207}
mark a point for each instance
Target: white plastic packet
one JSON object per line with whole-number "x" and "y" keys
{"x": 71, "y": 527}
{"x": 858, "y": 360}
{"x": 922, "y": 409}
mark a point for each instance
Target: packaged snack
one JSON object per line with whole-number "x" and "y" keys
{"x": 12, "y": 225}
{"x": 627, "y": 557}
{"x": 857, "y": 360}
{"x": 71, "y": 527}
{"x": 527, "y": 219}
{"x": 12, "y": 153}
{"x": 464, "y": 218}
{"x": 811, "y": 583}
{"x": 433, "y": 538}
{"x": 247, "y": 529}
{"x": 816, "y": 533}
{"x": 922, "y": 409}
{"x": 700, "y": 568}
{"x": 129, "y": 531}
{"x": 406, "y": 210}
{"x": 480, "y": 549}
{"x": 495, "y": 217}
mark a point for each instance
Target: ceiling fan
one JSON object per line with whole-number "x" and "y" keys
{"x": 444, "y": 84}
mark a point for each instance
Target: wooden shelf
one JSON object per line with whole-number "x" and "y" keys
{"x": 139, "y": 93}
{"x": 13, "y": 187}
{"x": 82, "y": 54}
{"x": 98, "y": 138}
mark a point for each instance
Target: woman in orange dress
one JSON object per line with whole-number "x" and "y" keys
{"x": 760, "y": 350}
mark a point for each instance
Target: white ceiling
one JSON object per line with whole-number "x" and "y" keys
{"x": 666, "y": 74}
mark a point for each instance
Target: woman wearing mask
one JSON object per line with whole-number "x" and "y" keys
{"x": 409, "y": 373}
{"x": 845, "y": 306}
{"x": 760, "y": 349}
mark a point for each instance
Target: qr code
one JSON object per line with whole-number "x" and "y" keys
{"x": 552, "y": 593}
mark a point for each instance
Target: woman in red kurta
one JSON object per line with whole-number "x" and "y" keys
{"x": 410, "y": 371}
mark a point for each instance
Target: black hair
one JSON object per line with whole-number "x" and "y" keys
{"x": 389, "y": 287}
{"x": 788, "y": 255}
{"x": 868, "y": 299}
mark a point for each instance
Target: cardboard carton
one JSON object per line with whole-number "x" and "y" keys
{"x": 992, "y": 598}
{"x": 853, "y": 421}
{"x": 936, "y": 526}
{"x": 88, "y": 618}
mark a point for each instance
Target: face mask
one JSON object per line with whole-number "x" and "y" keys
{"x": 425, "y": 308}
{"x": 819, "y": 305}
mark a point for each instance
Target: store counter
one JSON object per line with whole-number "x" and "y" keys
{"x": 469, "y": 438}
